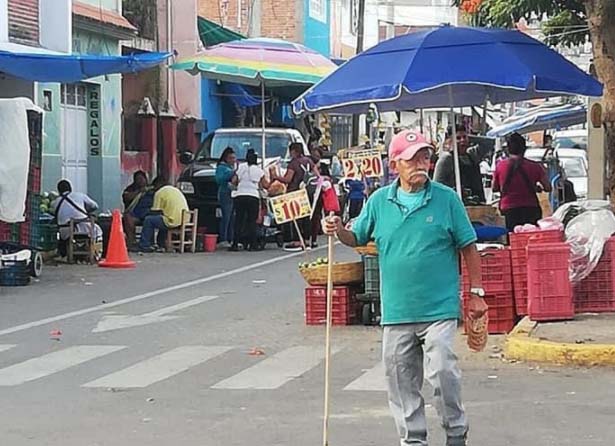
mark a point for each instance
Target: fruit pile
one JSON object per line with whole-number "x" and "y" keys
{"x": 46, "y": 200}
{"x": 315, "y": 264}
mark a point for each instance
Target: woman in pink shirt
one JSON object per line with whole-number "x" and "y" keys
{"x": 518, "y": 179}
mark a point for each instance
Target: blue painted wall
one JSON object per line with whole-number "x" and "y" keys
{"x": 211, "y": 105}
{"x": 317, "y": 32}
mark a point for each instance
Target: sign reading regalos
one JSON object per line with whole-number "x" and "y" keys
{"x": 291, "y": 206}
{"x": 94, "y": 121}
{"x": 359, "y": 164}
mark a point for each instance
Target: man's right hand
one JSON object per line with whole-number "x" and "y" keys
{"x": 332, "y": 225}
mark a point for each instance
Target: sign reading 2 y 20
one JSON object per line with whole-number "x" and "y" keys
{"x": 362, "y": 163}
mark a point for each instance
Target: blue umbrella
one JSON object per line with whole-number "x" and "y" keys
{"x": 447, "y": 67}
{"x": 541, "y": 118}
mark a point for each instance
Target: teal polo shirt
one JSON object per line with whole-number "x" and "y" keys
{"x": 419, "y": 251}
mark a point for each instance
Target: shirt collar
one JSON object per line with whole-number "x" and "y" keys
{"x": 392, "y": 194}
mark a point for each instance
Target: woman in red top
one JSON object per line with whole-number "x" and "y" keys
{"x": 518, "y": 179}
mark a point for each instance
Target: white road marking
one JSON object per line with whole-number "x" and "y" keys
{"x": 5, "y": 347}
{"x": 277, "y": 370}
{"x": 159, "y": 367}
{"x": 149, "y": 294}
{"x": 371, "y": 380}
{"x": 53, "y": 362}
{"x": 115, "y": 322}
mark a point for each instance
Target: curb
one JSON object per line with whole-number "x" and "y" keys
{"x": 522, "y": 347}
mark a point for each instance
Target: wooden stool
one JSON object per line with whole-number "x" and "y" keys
{"x": 80, "y": 244}
{"x": 185, "y": 234}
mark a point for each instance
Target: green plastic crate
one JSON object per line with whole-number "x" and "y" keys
{"x": 371, "y": 270}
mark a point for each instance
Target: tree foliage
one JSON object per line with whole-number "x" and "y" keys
{"x": 564, "y": 21}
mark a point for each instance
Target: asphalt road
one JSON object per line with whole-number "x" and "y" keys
{"x": 165, "y": 354}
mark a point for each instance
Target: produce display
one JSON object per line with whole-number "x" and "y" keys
{"x": 321, "y": 261}
{"x": 46, "y": 200}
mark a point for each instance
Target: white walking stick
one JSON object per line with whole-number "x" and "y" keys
{"x": 325, "y": 432}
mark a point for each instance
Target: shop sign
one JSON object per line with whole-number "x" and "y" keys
{"x": 94, "y": 122}
{"x": 291, "y": 206}
{"x": 359, "y": 164}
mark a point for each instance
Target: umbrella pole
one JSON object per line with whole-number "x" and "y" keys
{"x": 455, "y": 149}
{"x": 263, "y": 122}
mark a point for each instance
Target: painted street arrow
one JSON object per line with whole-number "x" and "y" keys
{"x": 116, "y": 322}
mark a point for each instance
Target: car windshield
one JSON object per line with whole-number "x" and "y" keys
{"x": 570, "y": 142}
{"x": 574, "y": 167}
{"x": 276, "y": 145}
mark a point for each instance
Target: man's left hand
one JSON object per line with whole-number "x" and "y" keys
{"x": 476, "y": 307}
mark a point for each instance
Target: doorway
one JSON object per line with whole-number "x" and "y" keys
{"x": 74, "y": 149}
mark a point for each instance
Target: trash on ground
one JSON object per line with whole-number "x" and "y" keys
{"x": 256, "y": 352}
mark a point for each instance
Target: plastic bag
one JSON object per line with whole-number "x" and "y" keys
{"x": 586, "y": 234}
{"x": 568, "y": 211}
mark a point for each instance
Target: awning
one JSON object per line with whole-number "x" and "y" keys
{"x": 212, "y": 34}
{"x": 542, "y": 118}
{"x": 74, "y": 67}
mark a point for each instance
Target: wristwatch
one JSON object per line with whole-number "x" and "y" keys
{"x": 480, "y": 292}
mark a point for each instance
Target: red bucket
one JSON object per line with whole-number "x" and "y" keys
{"x": 211, "y": 240}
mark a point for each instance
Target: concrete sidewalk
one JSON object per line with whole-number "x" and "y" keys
{"x": 588, "y": 340}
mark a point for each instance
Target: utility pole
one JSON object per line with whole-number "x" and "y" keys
{"x": 360, "y": 38}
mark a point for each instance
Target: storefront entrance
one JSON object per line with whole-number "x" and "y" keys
{"x": 74, "y": 135}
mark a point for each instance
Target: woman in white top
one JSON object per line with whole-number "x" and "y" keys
{"x": 250, "y": 178}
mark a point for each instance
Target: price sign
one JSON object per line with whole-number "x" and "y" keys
{"x": 291, "y": 206}
{"x": 362, "y": 164}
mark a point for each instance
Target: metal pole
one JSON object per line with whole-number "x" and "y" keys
{"x": 325, "y": 431}
{"x": 455, "y": 149}
{"x": 263, "y": 140}
{"x": 360, "y": 38}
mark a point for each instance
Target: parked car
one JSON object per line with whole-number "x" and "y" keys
{"x": 198, "y": 182}
{"x": 570, "y": 139}
{"x": 575, "y": 165}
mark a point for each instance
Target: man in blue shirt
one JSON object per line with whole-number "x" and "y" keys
{"x": 419, "y": 228}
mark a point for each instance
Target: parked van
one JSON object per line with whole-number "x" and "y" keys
{"x": 198, "y": 182}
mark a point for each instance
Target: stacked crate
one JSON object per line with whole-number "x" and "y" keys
{"x": 596, "y": 293}
{"x": 345, "y": 307}
{"x": 518, "y": 245}
{"x": 549, "y": 289}
{"x": 496, "y": 274}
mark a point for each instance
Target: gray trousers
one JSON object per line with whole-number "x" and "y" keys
{"x": 404, "y": 348}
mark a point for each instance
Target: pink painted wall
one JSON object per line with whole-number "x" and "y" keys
{"x": 185, "y": 88}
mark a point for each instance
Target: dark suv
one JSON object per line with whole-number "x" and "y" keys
{"x": 198, "y": 182}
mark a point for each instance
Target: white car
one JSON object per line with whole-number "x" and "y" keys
{"x": 570, "y": 139}
{"x": 574, "y": 163}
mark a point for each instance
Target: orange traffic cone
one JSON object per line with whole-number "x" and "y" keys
{"x": 117, "y": 254}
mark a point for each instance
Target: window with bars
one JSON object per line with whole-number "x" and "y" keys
{"x": 74, "y": 95}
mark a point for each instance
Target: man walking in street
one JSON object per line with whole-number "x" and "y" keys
{"x": 419, "y": 228}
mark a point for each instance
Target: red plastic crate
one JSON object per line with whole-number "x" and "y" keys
{"x": 495, "y": 272}
{"x": 34, "y": 179}
{"x": 502, "y": 317}
{"x": 24, "y": 233}
{"x": 344, "y": 309}
{"x": 5, "y": 231}
{"x": 521, "y": 239}
{"x": 596, "y": 293}
{"x": 549, "y": 289}
{"x": 518, "y": 253}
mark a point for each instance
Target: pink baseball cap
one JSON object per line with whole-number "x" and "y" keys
{"x": 406, "y": 144}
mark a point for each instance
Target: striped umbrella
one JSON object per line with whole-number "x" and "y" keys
{"x": 259, "y": 61}
{"x": 271, "y": 62}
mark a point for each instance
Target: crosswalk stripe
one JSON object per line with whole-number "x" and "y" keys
{"x": 371, "y": 380}
{"x": 277, "y": 370}
{"x": 5, "y": 347}
{"x": 159, "y": 367}
{"x": 53, "y": 362}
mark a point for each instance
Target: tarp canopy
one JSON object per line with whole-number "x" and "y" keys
{"x": 542, "y": 118}
{"x": 212, "y": 33}
{"x": 68, "y": 68}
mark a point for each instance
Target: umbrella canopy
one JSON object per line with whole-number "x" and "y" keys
{"x": 448, "y": 66}
{"x": 256, "y": 61}
{"x": 542, "y": 118}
